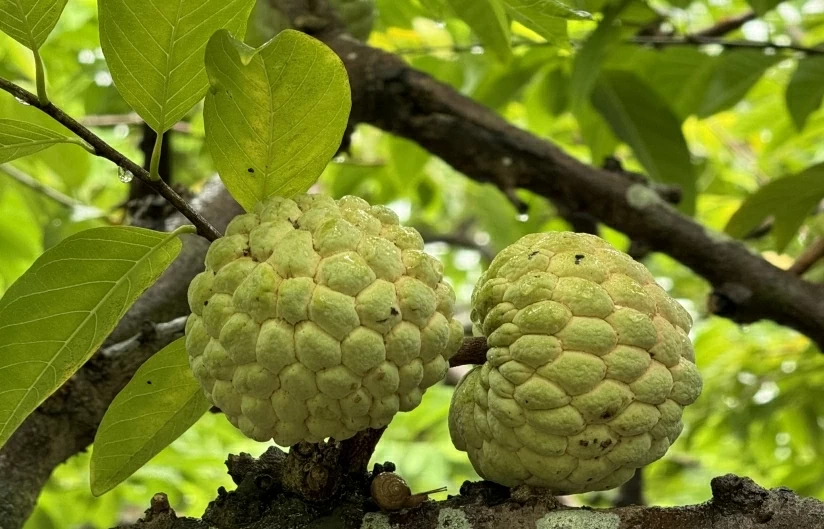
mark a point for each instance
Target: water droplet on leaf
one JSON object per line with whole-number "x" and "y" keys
{"x": 522, "y": 217}
{"x": 124, "y": 175}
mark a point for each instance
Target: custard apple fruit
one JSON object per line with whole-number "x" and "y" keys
{"x": 318, "y": 318}
{"x": 589, "y": 367}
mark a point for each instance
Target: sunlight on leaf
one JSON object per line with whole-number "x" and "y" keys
{"x": 275, "y": 116}
{"x": 56, "y": 315}
{"x": 155, "y": 49}
{"x": 157, "y": 406}
{"x": 735, "y": 73}
{"x": 29, "y": 22}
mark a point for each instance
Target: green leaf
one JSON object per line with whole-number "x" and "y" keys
{"x": 157, "y": 406}
{"x": 154, "y": 50}
{"x": 487, "y": 19}
{"x": 681, "y": 76}
{"x": 806, "y": 89}
{"x": 736, "y": 71}
{"x": 642, "y": 119}
{"x": 18, "y": 139}
{"x": 29, "y": 22}
{"x": 595, "y": 132}
{"x": 275, "y": 115}
{"x": 56, "y": 315}
{"x": 587, "y": 62}
{"x": 547, "y": 18}
{"x": 789, "y": 199}
{"x": 761, "y": 7}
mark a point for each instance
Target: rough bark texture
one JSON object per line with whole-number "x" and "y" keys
{"x": 262, "y": 501}
{"x": 66, "y": 423}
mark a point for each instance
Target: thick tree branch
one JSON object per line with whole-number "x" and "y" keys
{"x": 262, "y": 500}
{"x": 726, "y": 25}
{"x": 104, "y": 150}
{"x": 65, "y": 424}
{"x": 389, "y": 94}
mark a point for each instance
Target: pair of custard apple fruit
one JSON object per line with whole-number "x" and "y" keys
{"x": 317, "y": 318}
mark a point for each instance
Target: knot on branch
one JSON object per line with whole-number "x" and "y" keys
{"x": 727, "y": 299}
{"x": 735, "y": 494}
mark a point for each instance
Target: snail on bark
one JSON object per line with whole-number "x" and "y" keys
{"x": 391, "y": 492}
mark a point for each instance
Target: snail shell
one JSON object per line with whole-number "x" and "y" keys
{"x": 391, "y": 492}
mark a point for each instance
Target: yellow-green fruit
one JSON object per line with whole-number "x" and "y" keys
{"x": 588, "y": 371}
{"x": 318, "y": 318}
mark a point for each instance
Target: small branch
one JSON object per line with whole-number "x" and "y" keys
{"x": 105, "y": 150}
{"x": 726, "y": 25}
{"x": 806, "y": 260}
{"x": 44, "y": 190}
{"x": 697, "y": 40}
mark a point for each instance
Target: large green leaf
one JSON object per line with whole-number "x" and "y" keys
{"x": 806, "y": 89}
{"x": 487, "y": 18}
{"x": 56, "y": 315}
{"x": 789, "y": 200}
{"x": 681, "y": 76}
{"x": 642, "y": 119}
{"x": 154, "y": 50}
{"x": 160, "y": 402}
{"x": 735, "y": 72}
{"x": 587, "y": 62}
{"x": 545, "y": 17}
{"x": 275, "y": 115}
{"x": 595, "y": 132}
{"x": 29, "y": 22}
{"x": 18, "y": 139}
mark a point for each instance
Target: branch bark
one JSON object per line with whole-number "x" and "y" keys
{"x": 104, "y": 150}
{"x": 66, "y": 423}
{"x": 391, "y": 95}
{"x": 261, "y": 500}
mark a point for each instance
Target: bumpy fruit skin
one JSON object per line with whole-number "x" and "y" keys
{"x": 588, "y": 371}
{"x": 318, "y": 318}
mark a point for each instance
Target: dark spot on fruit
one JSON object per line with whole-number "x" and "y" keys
{"x": 149, "y": 382}
{"x": 578, "y": 258}
{"x": 250, "y": 170}
{"x": 246, "y": 252}
{"x": 589, "y": 479}
{"x": 205, "y": 302}
{"x": 382, "y": 321}
{"x": 606, "y": 415}
{"x": 583, "y": 442}
{"x": 393, "y": 311}
{"x": 533, "y": 254}
{"x": 605, "y": 443}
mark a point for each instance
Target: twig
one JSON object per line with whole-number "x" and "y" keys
{"x": 697, "y": 40}
{"x": 46, "y": 191}
{"x": 806, "y": 260}
{"x": 105, "y": 150}
{"x": 726, "y": 25}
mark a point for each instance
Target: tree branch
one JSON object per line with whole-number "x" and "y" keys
{"x": 104, "y": 150}
{"x": 726, "y": 25}
{"x": 391, "y": 95}
{"x": 806, "y": 260}
{"x": 261, "y": 500}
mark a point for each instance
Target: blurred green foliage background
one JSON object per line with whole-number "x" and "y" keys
{"x": 761, "y": 413}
